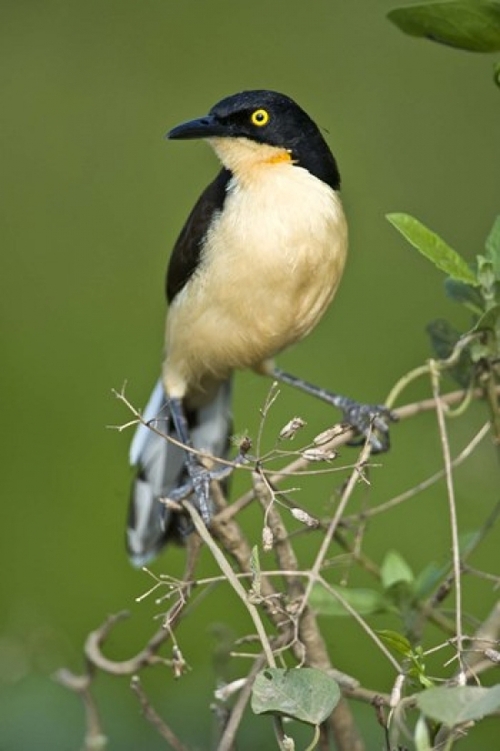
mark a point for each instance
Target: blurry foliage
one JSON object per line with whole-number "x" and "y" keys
{"x": 472, "y": 25}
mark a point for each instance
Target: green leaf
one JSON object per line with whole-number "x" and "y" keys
{"x": 421, "y": 736}
{"x": 307, "y": 694}
{"x": 472, "y": 25}
{"x": 493, "y": 247}
{"x": 443, "y": 337}
{"x": 255, "y": 569}
{"x": 496, "y": 74}
{"x": 464, "y": 294}
{"x": 428, "y": 579}
{"x": 489, "y": 320}
{"x": 396, "y": 641}
{"x": 433, "y": 247}
{"x": 443, "y": 340}
{"x": 467, "y": 541}
{"x": 458, "y": 704}
{"x": 363, "y": 601}
{"x": 485, "y": 276}
{"x": 395, "y": 570}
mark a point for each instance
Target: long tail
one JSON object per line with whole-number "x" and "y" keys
{"x": 161, "y": 468}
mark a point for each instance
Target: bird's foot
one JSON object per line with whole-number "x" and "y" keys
{"x": 198, "y": 485}
{"x": 200, "y": 478}
{"x": 370, "y": 421}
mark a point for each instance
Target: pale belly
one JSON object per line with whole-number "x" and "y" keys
{"x": 264, "y": 287}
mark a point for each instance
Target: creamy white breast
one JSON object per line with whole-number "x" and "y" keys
{"x": 271, "y": 264}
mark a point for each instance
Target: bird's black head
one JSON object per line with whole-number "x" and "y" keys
{"x": 270, "y": 118}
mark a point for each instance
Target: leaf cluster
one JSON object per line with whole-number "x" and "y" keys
{"x": 475, "y": 286}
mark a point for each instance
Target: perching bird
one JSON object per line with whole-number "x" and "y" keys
{"x": 254, "y": 269}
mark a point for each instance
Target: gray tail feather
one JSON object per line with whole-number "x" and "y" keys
{"x": 161, "y": 468}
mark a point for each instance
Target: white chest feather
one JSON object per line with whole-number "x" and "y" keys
{"x": 271, "y": 264}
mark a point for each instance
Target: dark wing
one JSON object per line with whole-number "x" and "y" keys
{"x": 187, "y": 250}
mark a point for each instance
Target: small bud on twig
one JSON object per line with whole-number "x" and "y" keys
{"x": 179, "y": 664}
{"x": 304, "y": 517}
{"x": 245, "y": 445}
{"x": 492, "y": 655}
{"x": 291, "y": 428}
{"x": 328, "y": 435}
{"x": 396, "y": 691}
{"x": 267, "y": 539}
{"x": 318, "y": 455}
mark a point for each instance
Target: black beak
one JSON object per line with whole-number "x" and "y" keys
{"x": 203, "y": 127}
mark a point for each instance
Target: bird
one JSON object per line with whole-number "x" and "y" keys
{"x": 252, "y": 272}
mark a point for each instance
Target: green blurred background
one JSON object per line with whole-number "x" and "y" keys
{"x": 92, "y": 202}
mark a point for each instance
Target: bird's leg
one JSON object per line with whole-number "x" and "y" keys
{"x": 199, "y": 476}
{"x": 366, "y": 419}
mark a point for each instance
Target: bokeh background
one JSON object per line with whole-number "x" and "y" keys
{"x": 92, "y": 201}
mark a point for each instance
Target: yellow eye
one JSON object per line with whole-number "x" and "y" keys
{"x": 260, "y": 118}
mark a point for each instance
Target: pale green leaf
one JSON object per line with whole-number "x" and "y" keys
{"x": 458, "y": 704}
{"x": 395, "y": 570}
{"x": 433, "y": 247}
{"x": 421, "y": 736}
{"x": 363, "y": 601}
{"x": 306, "y": 694}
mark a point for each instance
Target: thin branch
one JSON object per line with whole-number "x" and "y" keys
{"x": 364, "y": 625}
{"x": 236, "y": 545}
{"x": 233, "y": 580}
{"x": 485, "y": 638}
{"x": 452, "y": 508}
{"x": 297, "y": 466}
{"x": 154, "y": 718}
{"x": 147, "y": 655}
{"x": 320, "y": 557}
{"x": 227, "y": 739}
{"x": 95, "y": 740}
{"x": 427, "y": 483}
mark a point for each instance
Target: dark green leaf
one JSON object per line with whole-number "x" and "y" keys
{"x": 464, "y": 294}
{"x": 443, "y": 340}
{"x": 458, "y": 704}
{"x": 395, "y": 570}
{"x": 307, "y": 694}
{"x": 443, "y": 337}
{"x": 472, "y": 25}
{"x": 433, "y": 247}
{"x": 363, "y": 601}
